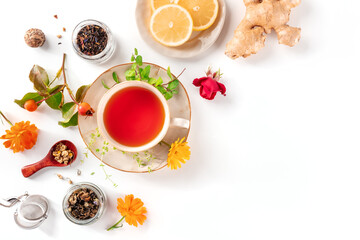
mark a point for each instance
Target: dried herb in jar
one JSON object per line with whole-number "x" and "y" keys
{"x": 62, "y": 154}
{"x": 83, "y": 204}
{"x": 92, "y": 40}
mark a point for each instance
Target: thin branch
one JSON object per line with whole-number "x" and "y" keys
{"x": 177, "y": 78}
{"x": 65, "y": 83}
{"x": 7, "y": 120}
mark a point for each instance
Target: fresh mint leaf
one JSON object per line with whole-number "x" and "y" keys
{"x": 132, "y": 58}
{"x": 159, "y": 81}
{"x": 169, "y": 73}
{"x": 168, "y": 95}
{"x": 104, "y": 84}
{"x": 115, "y": 77}
{"x": 139, "y": 60}
{"x": 136, "y": 51}
{"x": 173, "y": 84}
{"x": 161, "y": 89}
{"x": 152, "y": 81}
{"x": 130, "y": 74}
{"x": 145, "y": 72}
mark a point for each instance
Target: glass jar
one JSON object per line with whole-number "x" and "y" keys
{"x": 100, "y": 196}
{"x": 104, "y": 54}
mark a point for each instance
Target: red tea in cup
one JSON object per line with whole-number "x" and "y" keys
{"x": 134, "y": 116}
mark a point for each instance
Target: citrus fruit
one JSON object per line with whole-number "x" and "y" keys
{"x": 203, "y": 12}
{"x": 155, "y": 4}
{"x": 171, "y": 25}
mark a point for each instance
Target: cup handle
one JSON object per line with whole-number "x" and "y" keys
{"x": 180, "y": 122}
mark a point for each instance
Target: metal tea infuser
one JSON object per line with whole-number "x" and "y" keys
{"x": 31, "y": 212}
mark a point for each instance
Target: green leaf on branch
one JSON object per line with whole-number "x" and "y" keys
{"x": 55, "y": 101}
{"x": 130, "y": 74}
{"x": 168, "y": 95}
{"x": 32, "y": 95}
{"x": 136, "y": 51}
{"x": 146, "y": 72}
{"x": 138, "y": 60}
{"x": 68, "y": 110}
{"x": 80, "y": 93}
{"x": 152, "y": 81}
{"x": 56, "y": 89}
{"x": 173, "y": 84}
{"x": 69, "y": 114}
{"x": 73, "y": 121}
{"x": 159, "y": 81}
{"x": 39, "y": 77}
{"x": 161, "y": 89}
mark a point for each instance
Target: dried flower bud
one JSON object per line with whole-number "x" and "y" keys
{"x": 34, "y": 37}
{"x": 59, "y": 36}
{"x": 60, "y": 176}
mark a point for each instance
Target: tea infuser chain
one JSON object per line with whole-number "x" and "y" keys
{"x": 13, "y": 200}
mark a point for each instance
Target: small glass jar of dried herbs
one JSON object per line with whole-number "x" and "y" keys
{"x": 84, "y": 203}
{"x": 93, "y": 41}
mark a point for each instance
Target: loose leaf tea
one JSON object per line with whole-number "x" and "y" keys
{"x": 83, "y": 204}
{"x": 92, "y": 40}
{"x": 62, "y": 154}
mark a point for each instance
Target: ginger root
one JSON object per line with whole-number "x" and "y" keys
{"x": 260, "y": 18}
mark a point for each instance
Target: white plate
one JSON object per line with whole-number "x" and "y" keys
{"x": 198, "y": 43}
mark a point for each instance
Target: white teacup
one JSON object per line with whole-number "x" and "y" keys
{"x": 168, "y": 121}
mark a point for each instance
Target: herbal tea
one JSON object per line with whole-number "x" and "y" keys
{"x": 134, "y": 116}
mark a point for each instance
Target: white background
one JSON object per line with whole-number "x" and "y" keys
{"x": 277, "y": 158}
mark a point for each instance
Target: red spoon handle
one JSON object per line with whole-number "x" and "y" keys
{"x": 29, "y": 170}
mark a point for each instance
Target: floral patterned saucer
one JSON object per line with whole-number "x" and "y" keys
{"x": 151, "y": 160}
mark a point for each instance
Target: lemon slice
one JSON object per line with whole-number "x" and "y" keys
{"x": 155, "y": 4}
{"x": 171, "y": 25}
{"x": 203, "y": 12}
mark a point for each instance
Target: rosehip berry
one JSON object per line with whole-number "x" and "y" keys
{"x": 85, "y": 109}
{"x": 30, "y": 105}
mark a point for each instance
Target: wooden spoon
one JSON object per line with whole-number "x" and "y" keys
{"x": 49, "y": 160}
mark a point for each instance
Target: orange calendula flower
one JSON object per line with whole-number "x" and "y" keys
{"x": 132, "y": 209}
{"x": 178, "y": 153}
{"x": 21, "y": 136}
